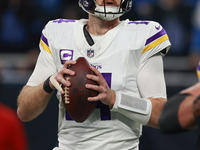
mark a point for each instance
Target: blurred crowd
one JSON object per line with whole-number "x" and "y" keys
{"x": 21, "y": 23}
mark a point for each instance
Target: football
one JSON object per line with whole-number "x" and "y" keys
{"x": 75, "y": 97}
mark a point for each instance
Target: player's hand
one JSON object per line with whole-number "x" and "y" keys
{"x": 58, "y": 78}
{"x": 106, "y": 95}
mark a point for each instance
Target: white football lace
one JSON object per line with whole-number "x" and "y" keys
{"x": 66, "y": 96}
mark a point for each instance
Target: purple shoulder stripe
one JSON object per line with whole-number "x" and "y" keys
{"x": 44, "y": 39}
{"x": 198, "y": 67}
{"x": 156, "y": 36}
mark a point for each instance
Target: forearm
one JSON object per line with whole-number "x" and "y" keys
{"x": 189, "y": 108}
{"x": 146, "y": 112}
{"x": 177, "y": 115}
{"x": 151, "y": 83}
{"x": 157, "y": 106}
{"x": 186, "y": 117}
{"x": 32, "y": 101}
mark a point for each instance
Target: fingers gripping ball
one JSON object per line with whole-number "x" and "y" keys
{"x": 75, "y": 97}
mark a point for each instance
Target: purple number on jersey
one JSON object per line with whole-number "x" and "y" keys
{"x": 104, "y": 109}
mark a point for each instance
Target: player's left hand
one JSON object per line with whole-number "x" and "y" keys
{"x": 106, "y": 95}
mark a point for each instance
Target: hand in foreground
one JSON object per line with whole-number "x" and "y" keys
{"x": 106, "y": 95}
{"x": 58, "y": 78}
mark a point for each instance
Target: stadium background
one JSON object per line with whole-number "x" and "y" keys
{"x": 21, "y": 23}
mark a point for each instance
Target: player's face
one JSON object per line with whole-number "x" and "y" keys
{"x": 109, "y": 2}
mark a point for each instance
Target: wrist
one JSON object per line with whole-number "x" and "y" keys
{"x": 113, "y": 99}
{"x": 47, "y": 87}
{"x": 50, "y": 84}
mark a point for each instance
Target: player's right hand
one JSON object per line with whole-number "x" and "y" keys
{"x": 58, "y": 78}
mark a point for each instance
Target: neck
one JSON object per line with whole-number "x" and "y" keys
{"x": 97, "y": 26}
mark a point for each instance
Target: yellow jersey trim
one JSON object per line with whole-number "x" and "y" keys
{"x": 155, "y": 43}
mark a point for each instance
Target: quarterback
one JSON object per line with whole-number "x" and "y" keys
{"x": 127, "y": 59}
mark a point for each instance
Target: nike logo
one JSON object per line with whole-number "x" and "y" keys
{"x": 158, "y": 28}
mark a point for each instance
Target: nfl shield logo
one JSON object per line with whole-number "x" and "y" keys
{"x": 90, "y": 53}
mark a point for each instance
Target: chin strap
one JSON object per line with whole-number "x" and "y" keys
{"x": 104, "y": 7}
{"x": 87, "y": 35}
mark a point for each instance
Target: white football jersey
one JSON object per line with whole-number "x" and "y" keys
{"x": 118, "y": 55}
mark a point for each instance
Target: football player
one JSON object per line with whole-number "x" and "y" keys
{"x": 181, "y": 113}
{"x": 127, "y": 59}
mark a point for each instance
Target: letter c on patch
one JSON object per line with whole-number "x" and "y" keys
{"x": 65, "y": 55}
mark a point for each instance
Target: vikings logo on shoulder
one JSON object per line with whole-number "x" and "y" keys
{"x": 90, "y": 53}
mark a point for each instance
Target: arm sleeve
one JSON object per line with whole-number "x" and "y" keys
{"x": 45, "y": 65}
{"x": 150, "y": 79}
{"x": 44, "y": 68}
{"x": 151, "y": 83}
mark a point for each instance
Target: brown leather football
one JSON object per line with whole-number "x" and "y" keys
{"x": 75, "y": 97}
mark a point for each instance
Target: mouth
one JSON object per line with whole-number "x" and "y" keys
{"x": 110, "y": 3}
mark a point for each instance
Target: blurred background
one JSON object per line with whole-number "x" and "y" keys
{"x": 21, "y": 23}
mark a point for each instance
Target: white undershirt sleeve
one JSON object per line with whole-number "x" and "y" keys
{"x": 44, "y": 68}
{"x": 150, "y": 79}
{"x": 151, "y": 83}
